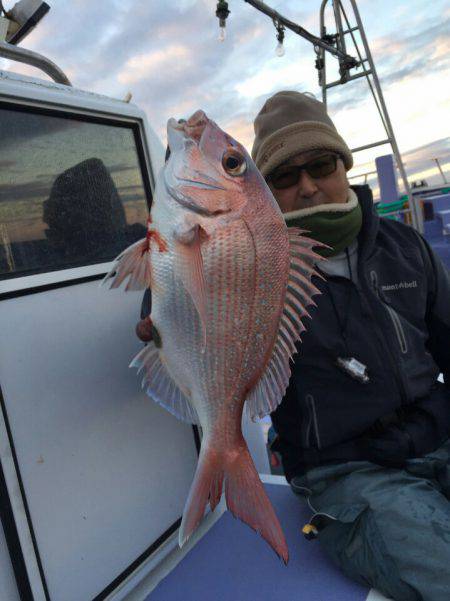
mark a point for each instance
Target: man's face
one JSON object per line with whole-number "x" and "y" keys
{"x": 310, "y": 191}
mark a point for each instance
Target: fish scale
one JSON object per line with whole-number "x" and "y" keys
{"x": 226, "y": 314}
{"x": 230, "y": 286}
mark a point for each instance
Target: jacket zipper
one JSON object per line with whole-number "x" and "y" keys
{"x": 398, "y": 329}
{"x": 313, "y": 417}
{"x": 393, "y": 315}
{"x": 400, "y": 334}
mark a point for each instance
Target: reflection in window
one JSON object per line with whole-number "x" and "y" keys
{"x": 71, "y": 192}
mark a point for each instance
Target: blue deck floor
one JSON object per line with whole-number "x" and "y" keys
{"x": 233, "y": 563}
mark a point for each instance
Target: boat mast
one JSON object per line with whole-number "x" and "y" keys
{"x": 338, "y": 39}
{"x": 335, "y": 44}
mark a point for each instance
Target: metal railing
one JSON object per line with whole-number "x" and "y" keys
{"x": 34, "y": 59}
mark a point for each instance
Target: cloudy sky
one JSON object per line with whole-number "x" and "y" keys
{"x": 168, "y": 56}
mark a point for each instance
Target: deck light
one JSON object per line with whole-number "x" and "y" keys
{"x": 23, "y": 18}
{"x": 222, "y": 13}
{"x": 279, "y": 50}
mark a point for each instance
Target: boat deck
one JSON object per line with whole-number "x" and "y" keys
{"x": 443, "y": 250}
{"x": 232, "y": 563}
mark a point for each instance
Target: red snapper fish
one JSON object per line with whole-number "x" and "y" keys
{"x": 230, "y": 285}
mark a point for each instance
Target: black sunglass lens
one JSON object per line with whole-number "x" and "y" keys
{"x": 285, "y": 179}
{"x": 322, "y": 167}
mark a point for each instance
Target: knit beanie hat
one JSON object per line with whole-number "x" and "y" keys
{"x": 290, "y": 123}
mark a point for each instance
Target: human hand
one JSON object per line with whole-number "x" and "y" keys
{"x": 144, "y": 329}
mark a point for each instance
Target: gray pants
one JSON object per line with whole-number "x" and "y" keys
{"x": 386, "y": 528}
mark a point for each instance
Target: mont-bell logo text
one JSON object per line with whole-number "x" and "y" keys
{"x": 399, "y": 286}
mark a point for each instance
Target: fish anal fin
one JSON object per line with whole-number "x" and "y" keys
{"x": 160, "y": 386}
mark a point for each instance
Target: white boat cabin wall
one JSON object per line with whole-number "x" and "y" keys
{"x": 94, "y": 475}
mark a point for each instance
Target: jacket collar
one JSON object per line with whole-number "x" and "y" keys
{"x": 370, "y": 222}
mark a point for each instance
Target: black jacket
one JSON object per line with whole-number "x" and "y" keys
{"x": 396, "y": 321}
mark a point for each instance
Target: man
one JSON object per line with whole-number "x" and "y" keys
{"x": 363, "y": 429}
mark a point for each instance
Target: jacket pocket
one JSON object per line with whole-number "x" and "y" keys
{"x": 398, "y": 329}
{"x": 344, "y": 513}
{"x": 332, "y": 521}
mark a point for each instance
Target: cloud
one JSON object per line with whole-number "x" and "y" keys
{"x": 27, "y": 191}
{"x": 398, "y": 58}
{"x": 437, "y": 149}
{"x": 416, "y": 54}
{"x": 175, "y": 57}
{"x": 418, "y": 164}
{"x": 171, "y": 61}
{"x": 121, "y": 167}
{"x": 16, "y": 128}
{"x": 7, "y": 164}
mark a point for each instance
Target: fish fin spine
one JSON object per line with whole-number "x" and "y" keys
{"x": 267, "y": 393}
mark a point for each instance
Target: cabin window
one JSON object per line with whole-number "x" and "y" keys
{"x": 72, "y": 191}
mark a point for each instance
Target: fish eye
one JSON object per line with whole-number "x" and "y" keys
{"x": 234, "y": 163}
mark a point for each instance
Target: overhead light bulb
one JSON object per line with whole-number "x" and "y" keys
{"x": 279, "y": 50}
{"x": 222, "y": 13}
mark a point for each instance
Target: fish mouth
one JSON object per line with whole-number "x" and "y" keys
{"x": 190, "y": 131}
{"x": 198, "y": 184}
{"x": 195, "y": 125}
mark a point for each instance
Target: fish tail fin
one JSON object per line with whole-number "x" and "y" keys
{"x": 245, "y": 496}
{"x": 247, "y": 500}
{"x": 207, "y": 483}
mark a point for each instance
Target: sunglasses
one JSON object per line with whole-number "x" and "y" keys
{"x": 288, "y": 176}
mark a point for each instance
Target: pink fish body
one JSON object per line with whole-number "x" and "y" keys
{"x": 230, "y": 284}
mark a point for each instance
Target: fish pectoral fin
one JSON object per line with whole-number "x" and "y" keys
{"x": 160, "y": 386}
{"x": 133, "y": 263}
{"x": 189, "y": 268}
{"x": 268, "y": 392}
{"x": 245, "y": 496}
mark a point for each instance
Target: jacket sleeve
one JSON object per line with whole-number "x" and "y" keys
{"x": 438, "y": 309}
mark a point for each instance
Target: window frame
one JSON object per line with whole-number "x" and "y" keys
{"x": 132, "y": 119}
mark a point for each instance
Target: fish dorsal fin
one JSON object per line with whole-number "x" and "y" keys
{"x": 268, "y": 392}
{"x": 159, "y": 385}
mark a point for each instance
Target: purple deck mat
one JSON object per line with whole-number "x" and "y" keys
{"x": 233, "y": 563}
